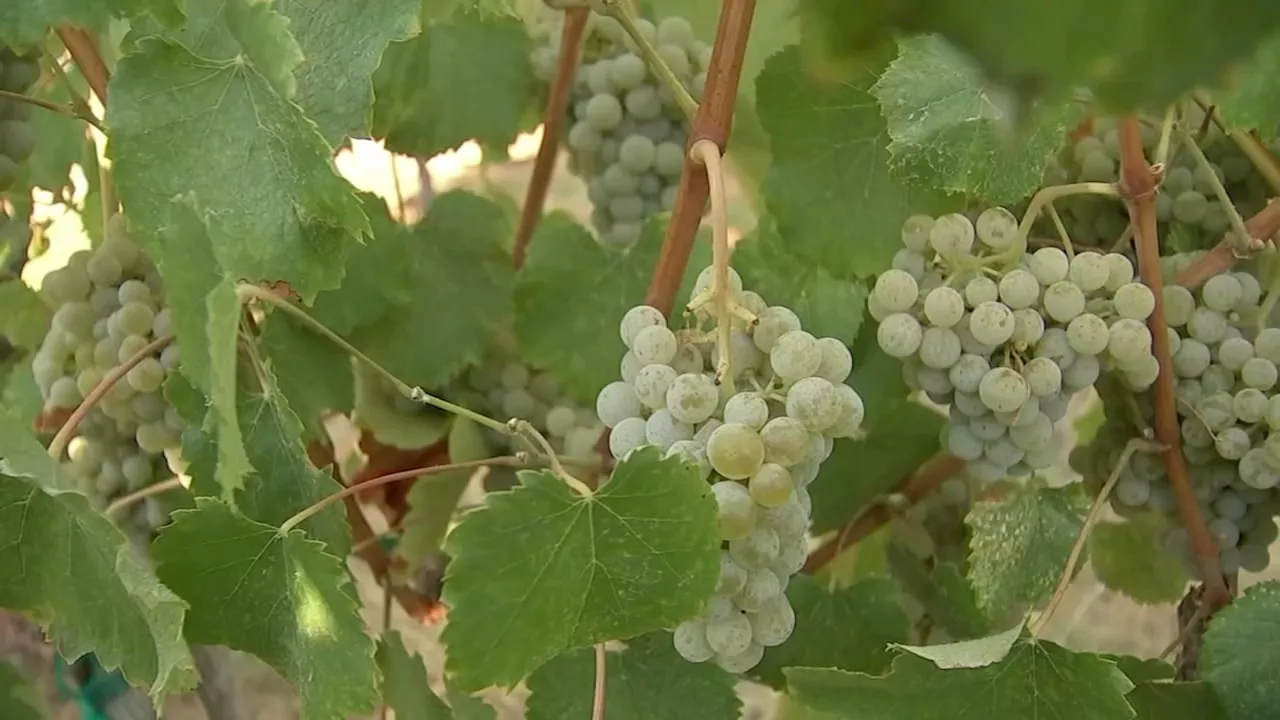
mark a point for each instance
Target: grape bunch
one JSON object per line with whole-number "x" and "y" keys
{"x": 760, "y": 446}
{"x": 1228, "y": 402}
{"x": 1006, "y": 338}
{"x": 110, "y": 306}
{"x": 627, "y": 134}
{"x": 18, "y": 72}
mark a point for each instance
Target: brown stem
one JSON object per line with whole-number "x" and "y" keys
{"x": 713, "y": 122}
{"x": 84, "y": 50}
{"x": 602, "y": 676}
{"x": 51, "y": 106}
{"x": 919, "y": 486}
{"x": 380, "y": 563}
{"x": 553, "y": 119}
{"x": 1138, "y": 185}
{"x": 1223, "y": 256}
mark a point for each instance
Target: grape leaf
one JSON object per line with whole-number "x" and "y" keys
{"x": 1251, "y": 102}
{"x": 70, "y": 569}
{"x": 646, "y": 681}
{"x": 572, "y": 292}
{"x": 975, "y": 653}
{"x": 949, "y": 130}
{"x": 484, "y": 59}
{"x": 26, "y": 23}
{"x": 850, "y": 628}
{"x": 859, "y": 472}
{"x": 21, "y": 397}
{"x": 1241, "y": 651}
{"x": 1053, "y": 50}
{"x": 19, "y": 699}
{"x": 1020, "y": 543}
{"x": 276, "y": 595}
{"x": 461, "y": 293}
{"x": 433, "y": 500}
{"x": 318, "y": 377}
{"x": 829, "y": 188}
{"x": 62, "y": 141}
{"x": 641, "y": 554}
{"x": 274, "y": 205}
{"x": 404, "y": 682}
{"x": 827, "y": 306}
{"x": 376, "y": 279}
{"x": 1142, "y": 670}
{"x": 26, "y": 318}
{"x": 1176, "y": 701}
{"x": 947, "y": 597}
{"x": 434, "y": 10}
{"x": 1127, "y": 557}
{"x": 224, "y": 320}
{"x": 1035, "y": 679}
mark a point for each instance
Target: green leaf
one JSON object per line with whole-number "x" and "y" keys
{"x": 404, "y": 682}
{"x": 434, "y": 499}
{"x": 646, "y": 681}
{"x": 947, "y": 597}
{"x": 572, "y": 292}
{"x": 641, "y": 554}
{"x": 395, "y": 420}
{"x": 1020, "y": 543}
{"x": 19, "y": 699}
{"x": 274, "y": 205}
{"x": 71, "y": 570}
{"x": 989, "y": 678}
{"x": 438, "y": 10}
{"x": 829, "y": 188}
{"x": 1251, "y": 101}
{"x": 461, "y": 293}
{"x": 949, "y": 130}
{"x": 278, "y": 596}
{"x": 1142, "y": 670}
{"x": 1176, "y": 701}
{"x": 828, "y": 306}
{"x": 316, "y": 374}
{"x": 26, "y": 318}
{"x": 484, "y": 59}
{"x": 850, "y": 628}
{"x": 27, "y": 22}
{"x": 62, "y": 141}
{"x": 377, "y": 277}
{"x": 224, "y": 320}
{"x": 21, "y": 397}
{"x": 1127, "y": 557}
{"x": 1241, "y": 652}
{"x": 859, "y": 472}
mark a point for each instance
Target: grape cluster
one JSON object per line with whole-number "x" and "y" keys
{"x": 1005, "y": 338}
{"x": 760, "y": 445}
{"x": 1228, "y": 401}
{"x": 110, "y": 306}
{"x": 18, "y": 72}
{"x": 1191, "y": 215}
{"x": 627, "y": 134}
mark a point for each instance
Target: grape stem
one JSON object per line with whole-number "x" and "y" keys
{"x": 63, "y": 437}
{"x": 139, "y": 495}
{"x": 1067, "y": 247}
{"x": 1043, "y": 198}
{"x": 553, "y": 119}
{"x": 1166, "y": 133}
{"x": 247, "y": 292}
{"x": 1095, "y": 513}
{"x": 602, "y": 676}
{"x": 1237, "y": 223}
{"x": 1268, "y": 305}
{"x": 1226, "y": 253}
{"x": 59, "y": 108}
{"x": 1138, "y": 183}
{"x": 84, "y": 51}
{"x": 526, "y": 428}
{"x": 622, "y": 11}
{"x": 1262, "y": 159}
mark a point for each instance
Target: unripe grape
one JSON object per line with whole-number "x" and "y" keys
{"x": 690, "y": 641}
{"x": 785, "y": 441}
{"x": 735, "y": 451}
{"x": 736, "y": 511}
{"x": 771, "y": 485}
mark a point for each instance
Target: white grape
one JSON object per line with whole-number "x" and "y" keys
{"x": 1129, "y": 340}
{"x": 899, "y": 335}
{"x": 1191, "y": 359}
{"x": 1028, "y": 327}
{"x": 795, "y": 355}
{"x": 616, "y": 402}
{"x": 1063, "y": 301}
{"x": 705, "y": 278}
{"x": 735, "y": 451}
{"x": 743, "y": 355}
{"x": 747, "y": 408}
{"x": 773, "y": 323}
{"x": 1250, "y": 405}
{"x": 996, "y": 228}
{"x": 940, "y": 348}
{"x": 774, "y": 623}
{"x": 1019, "y": 289}
{"x": 692, "y": 398}
{"x": 1258, "y": 373}
{"x": 968, "y": 372}
{"x": 1120, "y": 271}
{"x": 952, "y": 235}
{"x": 1088, "y": 334}
{"x": 1234, "y": 352}
{"x": 771, "y": 485}
{"x": 736, "y": 511}
{"x": 631, "y": 366}
{"x": 1089, "y": 271}
{"x": 692, "y": 451}
{"x": 732, "y": 576}
{"x": 1135, "y": 300}
{"x": 943, "y": 306}
{"x": 915, "y": 232}
{"x": 836, "y": 363}
{"x": 762, "y": 586}
{"x": 690, "y": 641}
{"x": 756, "y": 550}
{"x": 743, "y": 661}
{"x": 1003, "y": 390}
{"x": 655, "y": 344}
{"x": 1049, "y": 265}
{"x": 729, "y": 635}
{"x": 814, "y": 402}
{"x": 785, "y": 441}
{"x": 979, "y": 290}
{"x": 1179, "y": 305}
{"x": 896, "y": 290}
{"x": 1082, "y": 373}
{"x": 663, "y": 429}
{"x": 626, "y": 436}
{"x": 991, "y": 323}
{"x": 1222, "y": 292}
{"x": 1043, "y": 376}
{"x": 852, "y": 412}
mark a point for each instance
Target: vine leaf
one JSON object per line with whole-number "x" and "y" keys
{"x": 828, "y": 306}
{"x": 571, "y": 293}
{"x": 1002, "y": 676}
{"x": 404, "y": 682}
{"x": 278, "y": 596}
{"x": 27, "y": 23}
{"x": 26, "y": 317}
{"x": 484, "y": 59}
{"x": 438, "y": 10}
{"x": 1164, "y": 700}
{"x": 377, "y": 277}
{"x": 829, "y": 187}
{"x": 647, "y": 680}
{"x": 432, "y": 501}
{"x": 1126, "y": 557}
{"x": 19, "y": 699}
{"x": 851, "y": 628}
{"x": 1251, "y": 103}
{"x": 1020, "y": 543}
{"x": 461, "y": 278}
{"x": 641, "y": 554}
{"x": 318, "y": 378}
{"x": 943, "y": 591}
{"x": 70, "y": 569}
{"x": 950, "y": 130}
{"x": 898, "y": 441}
{"x": 1241, "y": 650}
{"x": 274, "y": 205}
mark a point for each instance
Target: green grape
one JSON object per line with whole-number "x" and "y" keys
{"x": 628, "y": 71}
{"x": 147, "y": 376}
{"x": 603, "y": 112}
{"x": 135, "y": 318}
